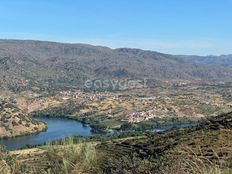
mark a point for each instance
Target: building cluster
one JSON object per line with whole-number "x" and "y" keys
{"x": 79, "y": 94}
{"x": 137, "y": 117}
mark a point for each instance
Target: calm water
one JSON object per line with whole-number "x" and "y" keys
{"x": 57, "y": 128}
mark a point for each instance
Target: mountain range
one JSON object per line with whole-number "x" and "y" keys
{"x": 28, "y": 64}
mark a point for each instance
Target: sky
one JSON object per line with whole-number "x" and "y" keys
{"x": 202, "y": 27}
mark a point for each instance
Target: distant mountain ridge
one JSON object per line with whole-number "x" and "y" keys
{"x": 223, "y": 60}
{"x": 25, "y": 64}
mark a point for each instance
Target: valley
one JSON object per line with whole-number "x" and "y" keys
{"x": 50, "y": 122}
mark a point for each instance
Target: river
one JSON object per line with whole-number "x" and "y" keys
{"x": 61, "y": 127}
{"x": 57, "y": 128}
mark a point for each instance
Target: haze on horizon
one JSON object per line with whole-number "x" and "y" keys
{"x": 174, "y": 26}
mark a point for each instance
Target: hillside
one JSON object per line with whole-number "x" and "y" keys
{"x": 14, "y": 122}
{"x": 205, "y": 148}
{"x": 200, "y": 149}
{"x": 28, "y": 64}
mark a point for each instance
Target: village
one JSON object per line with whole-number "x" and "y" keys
{"x": 127, "y": 107}
{"x": 137, "y": 117}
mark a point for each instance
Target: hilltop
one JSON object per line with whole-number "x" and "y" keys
{"x": 15, "y": 122}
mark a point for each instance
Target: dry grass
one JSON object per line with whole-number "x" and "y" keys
{"x": 73, "y": 158}
{"x": 192, "y": 162}
{"x": 68, "y": 158}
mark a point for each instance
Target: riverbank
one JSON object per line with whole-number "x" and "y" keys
{"x": 57, "y": 128}
{"x": 101, "y": 128}
{"x": 26, "y": 133}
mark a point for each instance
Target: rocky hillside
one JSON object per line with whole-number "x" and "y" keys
{"x": 27, "y": 64}
{"x": 206, "y": 148}
{"x": 14, "y": 122}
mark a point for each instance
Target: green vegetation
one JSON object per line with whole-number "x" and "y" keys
{"x": 207, "y": 109}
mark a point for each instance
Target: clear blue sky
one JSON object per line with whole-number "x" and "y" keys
{"x": 170, "y": 26}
